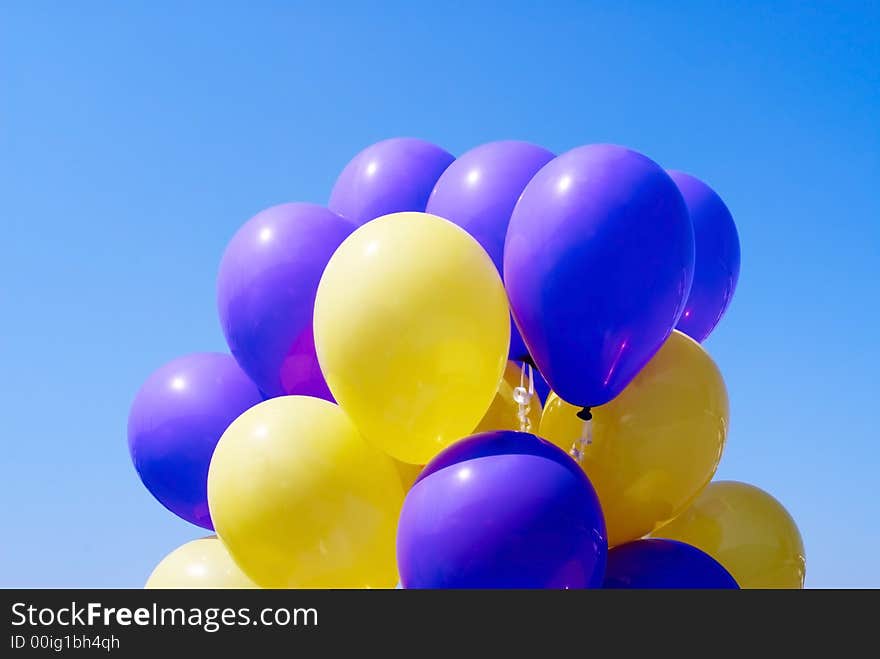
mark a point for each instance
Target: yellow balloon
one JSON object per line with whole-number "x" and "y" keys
{"x": 408, "y": 473}
{"x": 504, "y": 410}
{"x": 203, "y": 563}
{"x": 747, "y": 531}
{"x": 412, "y": 331}
{"x": 656, "y": 445}
{"x": 302, "y": 501}
{"x": 501, "y": 415}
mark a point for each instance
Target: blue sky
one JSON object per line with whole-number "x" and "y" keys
{"x": 136, "y": 137}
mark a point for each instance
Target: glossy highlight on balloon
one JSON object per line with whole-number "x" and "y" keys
{"x": 746, "y": 530}
{"x": 665, "y": 564}
{"x": 716, "y": 266}
{"x": 391, "y": 176}
{"x": 176, "y": 420}
{"x": 478, "y": 192}
{"x": 266, "y": 295}
{"x": 657, "y": 445}
{"x": 202, "y": 563}
{"x": 501, "y": 510}
{"x": 598, "y": 263}
{"x": 300, "y": 500}
{"x": 411, "y": 331}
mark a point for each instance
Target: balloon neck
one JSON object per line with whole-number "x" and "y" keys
{"x": 579, "y": 447}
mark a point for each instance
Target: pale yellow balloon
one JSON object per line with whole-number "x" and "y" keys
{"x": 746, "y": 530}
{"x": 302, "y": 501}
{"x": 656, "y": 445}
{"x": 412, "y": 331}
{"x": 202, "y": 563}
{"x": 503, "y": 413}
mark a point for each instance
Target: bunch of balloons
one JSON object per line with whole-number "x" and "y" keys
{"x": 386, "y": 415}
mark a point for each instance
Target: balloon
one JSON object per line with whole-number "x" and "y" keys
{"x": 411, "y": 329}
{"x": 478, "y": 192}
{"x": 388, "y": 177}
{"x": 501, "y": 510}
{"x": 598, "y": 263}
{"x": 747, "y": 531}
{"x": 656, "y": 445}
{"x": 503, "y": 413}
{"x": 301, "y": 501}
{"x": 408, "y": 473}
{"x": 716, "y": 267}
{"x": 266, "y": 295}
{"x": 664, "y": 564}
{"x": 203, "y": 563}
{"x": 174, "y": 424}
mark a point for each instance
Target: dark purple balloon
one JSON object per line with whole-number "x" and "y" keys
{"x": 541, "y": 386}
{"x": 664, "y": 564}
{"x": 478, "y": 192}
{"x": 388, "y": 177}
{"x": 266, "y": 295}
{"x": 175, "y": 422}
{"x": 716, "y": 267}
{"x": 501, "y": 510}
{"x": 598, "y": 263}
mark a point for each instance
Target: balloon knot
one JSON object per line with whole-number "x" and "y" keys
{"x": 585, "y": 414}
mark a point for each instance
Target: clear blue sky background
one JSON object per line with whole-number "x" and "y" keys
{"x": 136, "y": 137}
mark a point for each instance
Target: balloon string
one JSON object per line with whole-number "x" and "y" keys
{"x": 523, "y": 397}
{"x": 526, "y": 358}
{"x": 579, "y": 448}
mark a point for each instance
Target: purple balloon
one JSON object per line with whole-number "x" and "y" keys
{"x": 541, "y": 386}
{"x": 478, "y": 192}
{"x": 501, "y": 510}
{"x": 388, "y": 177}
{"x": 664, "y": 564}
{"x": 176, "y": 421}
{"x": 716, "y": 268}
{"x": 266, "y": 295}
{"x": 598, "y": 263}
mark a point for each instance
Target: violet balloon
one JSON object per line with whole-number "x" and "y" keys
{"x": 598, "y": 263}
{"x": 176, "y": 420}
{"x": 540, "y": 384}
{"x": 664, "y": 564}
{"x": 266, "y": 295}
{"x": 478, "y": 192}
{"x": 388, "y": 177}
{"x": 501, "y": 510}
{"x": 716, "y": 267}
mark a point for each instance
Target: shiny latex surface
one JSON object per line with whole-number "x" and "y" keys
{"x": 746, "y": 530}
{"x": 266, "y": 295}
{"x": 656, "y": 445}
{"x": 176, "y": 420}
{"x": 412, "y": 331}
{"x": 391, "y": 176}
{"x": 302, "y": 501}
{"x": 664, "y": 564}
{"x": 202, "y": 563}
{"x": 598, "y": 263}
{"x": 501, "y": 510}
{"x": 478, "y": 192}
{"x": 717, "y": 256}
